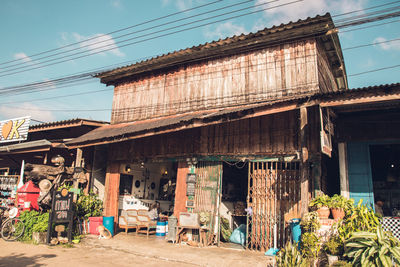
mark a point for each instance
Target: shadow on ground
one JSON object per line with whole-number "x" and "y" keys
{"x": 17, "y": 260}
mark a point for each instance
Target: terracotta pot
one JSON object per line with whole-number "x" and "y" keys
{"x": 337, "y": 213}
{"x": 323, "y": 212}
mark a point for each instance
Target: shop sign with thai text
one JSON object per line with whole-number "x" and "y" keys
{"x": 14, "y": 129}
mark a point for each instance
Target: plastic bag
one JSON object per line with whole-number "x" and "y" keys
{"x": 239, "y": 235}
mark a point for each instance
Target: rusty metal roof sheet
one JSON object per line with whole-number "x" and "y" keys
{"x": 65, "y": 123}
{"x": 308, "y": 28}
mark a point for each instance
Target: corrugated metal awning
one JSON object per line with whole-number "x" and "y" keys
{"x": 26, "y": 147}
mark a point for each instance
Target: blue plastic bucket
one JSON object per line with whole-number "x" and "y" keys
{"x": 160, "y": 230}
{"x": 108, "y": 223}
{"x": 296, "y": 230}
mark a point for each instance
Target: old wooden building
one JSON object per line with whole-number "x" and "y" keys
{"x": 237, "y": 113}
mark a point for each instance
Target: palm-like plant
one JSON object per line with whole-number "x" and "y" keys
{"x": 373, "y": 249}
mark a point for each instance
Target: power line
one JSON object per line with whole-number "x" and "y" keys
{"x": 370, "y": 26}
{"x": 71, "y": 79}
{"x": 107, "y": 41}
{"x": 102, "y": 49}
{"x": 354, "y": 22}
{"x": 374, "y": 70}
{"x": 115, "y": 31}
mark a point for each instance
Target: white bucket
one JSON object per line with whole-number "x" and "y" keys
{"x": 27, "y": 204}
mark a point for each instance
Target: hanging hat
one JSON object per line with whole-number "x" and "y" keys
{"x": 44, "y": 185}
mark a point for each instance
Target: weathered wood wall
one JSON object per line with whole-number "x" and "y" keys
{"x": 270, "y": 73}
{"x": 267, "y": 135}
{"x": 326, "y": 79}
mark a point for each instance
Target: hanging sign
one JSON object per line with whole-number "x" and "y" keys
{"x": 14, "y": 129}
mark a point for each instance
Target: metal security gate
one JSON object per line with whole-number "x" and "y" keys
{"x": 207, "y": 194}
{"x": 273, "y": 198}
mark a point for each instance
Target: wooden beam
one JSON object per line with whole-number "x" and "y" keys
{"x": 344, "y": 179}
{"x": 78, "y": 163}
{"x": 304, "y": 178}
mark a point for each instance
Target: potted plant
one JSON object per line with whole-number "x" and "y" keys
{"x": 89, "y": 207}
{"x": 338, "y": 204}
{"x": 321, "y": 204}
{"x": 373, "y": 248}
{"x": 36, "y": 224}
{"x": 333, "y": 248}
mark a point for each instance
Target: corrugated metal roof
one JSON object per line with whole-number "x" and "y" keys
{"x": 118, "y": 132}
{"x": 26, "y": 145}
{"x": 65, "y": 123}
{"x": 317, "y": 26}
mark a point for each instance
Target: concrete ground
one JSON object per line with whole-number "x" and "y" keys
{"x": 125, "y": 250}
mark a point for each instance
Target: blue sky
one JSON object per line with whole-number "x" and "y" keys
{"x": 30, "y": 27}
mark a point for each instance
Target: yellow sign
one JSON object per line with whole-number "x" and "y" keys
{"x": 14, "y": 129}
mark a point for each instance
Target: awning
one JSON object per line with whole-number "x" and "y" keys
{"x": 26, "y": 147}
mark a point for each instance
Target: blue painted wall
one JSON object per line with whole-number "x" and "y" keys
{"x": 359, "y": 171}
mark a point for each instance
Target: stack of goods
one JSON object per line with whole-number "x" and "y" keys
{"x": 239, "y": 208}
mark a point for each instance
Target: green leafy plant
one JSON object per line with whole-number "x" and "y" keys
{"x": 310, "y": 245}
{"x": 310, "y": 222}
{"x": 88, "y": 206}
{"x": 34, "y": 221}
{"x": 372, "y": 249}
{"x": 320, "y": 201}
{"x": 359, "y": 218}
{"x": 340, "y": 202}
{"x": 334, "y": 246}
{"x": 341, "y": 263}
{"x": 290, "y": 256}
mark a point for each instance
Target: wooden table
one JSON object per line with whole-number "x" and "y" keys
{"x": 202, "y": 233}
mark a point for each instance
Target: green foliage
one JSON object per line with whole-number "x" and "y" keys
{"x": 359, "y": 218}
{"x": 334, "y": 246}
{"x": 290, "y": 256}
{"x": 320, "y": 201}
{"x": 88, "y": 206}
{"x": 226, "y": 231}
{"x": 341, "y": 264}
{"x": 340, "y": 202}
{"x": 310, "y": 222}
{"x": 310, "y": 245}
{"x": 34, "y": 222}
{"x": 372, "y": 249}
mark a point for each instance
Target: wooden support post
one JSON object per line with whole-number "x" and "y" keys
{"x": 78, "y": 163}
{"x": 344, "y": 178}
{"x": 180, "y": 191}
{"x": 111, "y": 193}
{"x": 304, "y": 166}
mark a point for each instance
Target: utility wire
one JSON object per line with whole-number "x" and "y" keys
{"x": 112, "y": 46}
{"x": 162, "y": 35}
{"x": 43, "y": 85}
{"x": 119, "y": 30}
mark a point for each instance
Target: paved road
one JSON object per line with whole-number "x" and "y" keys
{"x": 17, "y": 254}
{"x": 125, "y": 250}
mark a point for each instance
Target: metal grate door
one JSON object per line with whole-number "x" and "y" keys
{"x": 274, "y": 198}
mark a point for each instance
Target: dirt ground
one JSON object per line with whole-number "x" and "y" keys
{"x": 125, "y": 250}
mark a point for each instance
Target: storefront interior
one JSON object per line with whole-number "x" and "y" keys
{"x": 234, "y": 195}
{"x": 385, "y": 168}
{"x": 144, "y": 183}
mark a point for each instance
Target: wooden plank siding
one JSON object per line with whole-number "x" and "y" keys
{"x": 325, "y": 76}
{"x": 267, "y": 135}
{"x": 265, "y": 74}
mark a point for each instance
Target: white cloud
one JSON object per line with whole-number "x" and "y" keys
{"x": 25, "y": 109}
{"x": 182, "y": 4}
{"x": 395, "y": 45}
{"x": 223, "y": 30}
{"x": 116, "y": 3}
{"x": 99, "y": 43}
{"x": 304, "y": 9}
{"x": 23, "y": 57}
